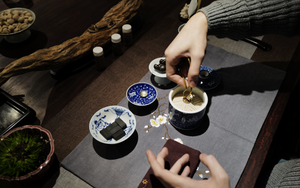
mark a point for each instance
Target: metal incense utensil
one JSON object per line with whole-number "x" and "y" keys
{"x": 189, "y": 97}
{"x": 143, "y": 93}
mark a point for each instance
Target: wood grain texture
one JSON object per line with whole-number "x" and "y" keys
{"x": 266, "y": 135}
{"x": 71, "y": 19}
{"x": 77, "y": 47}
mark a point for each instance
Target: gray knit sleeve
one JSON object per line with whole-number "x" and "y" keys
{"x": 285, "y": 175}
{"x": 244, "y": 18}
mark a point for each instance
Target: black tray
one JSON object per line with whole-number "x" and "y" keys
{"x": 13, "y": 113}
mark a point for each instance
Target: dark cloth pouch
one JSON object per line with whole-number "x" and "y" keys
{"x": 176, "y": 150}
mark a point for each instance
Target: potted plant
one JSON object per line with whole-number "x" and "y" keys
{"x": 26, "y": 154}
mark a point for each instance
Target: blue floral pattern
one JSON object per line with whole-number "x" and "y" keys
{"x": 108, "y": 115}
{"x": 184, "y": 121}
{"x": 133, "y": 94}
{"x": 212, "y": 81}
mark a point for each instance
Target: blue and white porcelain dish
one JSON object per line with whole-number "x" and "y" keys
{"x": 186, "y": 120}
{"x": 105, "y": 116}
{"x": 135, "y": 93}
{"x": 208, "y": 78}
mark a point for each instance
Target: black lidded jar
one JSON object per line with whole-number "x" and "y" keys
{"x": 99, "y": 58}
{"x": 127, "y": 34}
{"x": 116, "y": 44}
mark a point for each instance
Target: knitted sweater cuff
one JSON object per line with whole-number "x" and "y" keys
{"x": 285, "y": 175}
{"x": 239, "y": 19}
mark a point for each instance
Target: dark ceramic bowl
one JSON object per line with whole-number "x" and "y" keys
{"x": 186, "y": 120}
{"x": 45, "y": 166}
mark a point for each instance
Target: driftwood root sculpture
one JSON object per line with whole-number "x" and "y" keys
{"x": 77, "y": 47}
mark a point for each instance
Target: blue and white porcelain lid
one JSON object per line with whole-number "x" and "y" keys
{"x": 208, "y": 78}
{"x": 141, "y": 94}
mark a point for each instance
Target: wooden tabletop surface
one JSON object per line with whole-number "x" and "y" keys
{"x": 59, "y": 20}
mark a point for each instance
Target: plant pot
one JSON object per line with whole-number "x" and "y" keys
{"x": 37, "y": 174}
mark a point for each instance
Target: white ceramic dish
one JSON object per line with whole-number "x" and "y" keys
{"x": 159, "y": 76}
{"x": 105, "y": 116}
{"x": 180, "y": 27}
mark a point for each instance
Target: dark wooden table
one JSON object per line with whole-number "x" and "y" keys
{"x": 59, "y": 20}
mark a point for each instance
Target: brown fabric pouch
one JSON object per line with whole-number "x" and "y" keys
{"x": 176, "y": 150}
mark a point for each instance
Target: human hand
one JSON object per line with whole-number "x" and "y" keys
{"x": 190, "y": 43}
{"x": 171, "y": 178}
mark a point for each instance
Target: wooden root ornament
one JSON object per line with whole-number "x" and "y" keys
{"x": 77, "y": 47}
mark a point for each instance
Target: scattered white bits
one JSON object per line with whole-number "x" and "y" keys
{"x": 178, "y": 140}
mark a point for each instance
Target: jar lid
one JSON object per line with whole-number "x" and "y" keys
{"x": 126, "y": 28}
{"x": 116, "y": 38}
{"x": 98, "y": 51}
